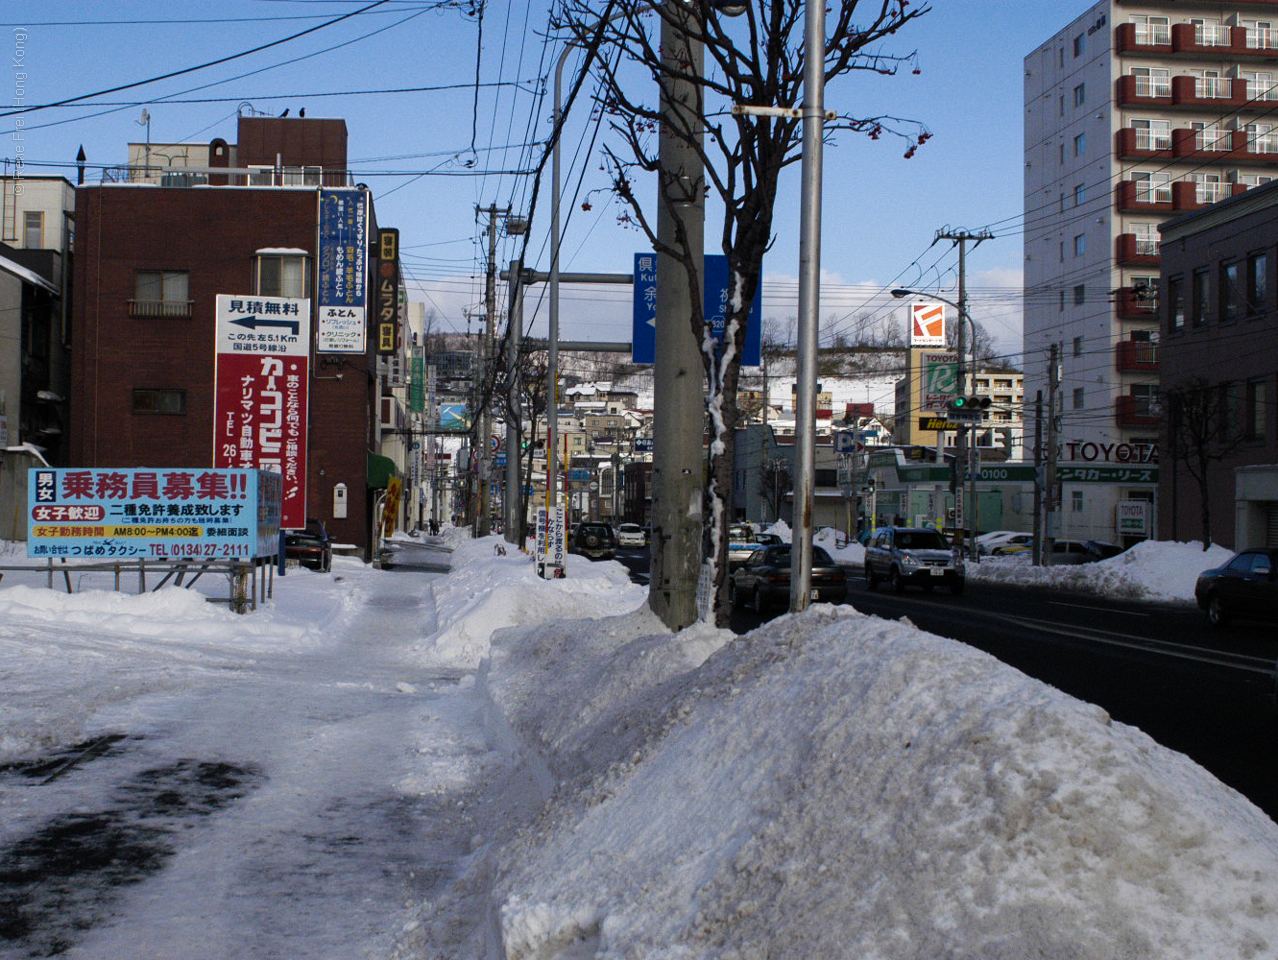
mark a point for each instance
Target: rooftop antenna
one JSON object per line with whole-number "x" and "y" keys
{"x": 145, "y": 120}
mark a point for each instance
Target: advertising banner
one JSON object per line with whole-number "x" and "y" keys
{"x": 341, "y": 319}
{"x": 152, "y": 514}
{"x": 551, "y": 542}
{"x": 262, "y": 377}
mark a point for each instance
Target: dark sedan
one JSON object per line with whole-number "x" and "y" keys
{"x": 764, "y": 579}
{"x": 311, "y": 547}
{"x": 1246, "y": 586}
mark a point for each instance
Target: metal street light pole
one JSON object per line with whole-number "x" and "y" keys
{"x": 809, "y": 303}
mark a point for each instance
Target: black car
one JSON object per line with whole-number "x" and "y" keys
{"x": 311, "y": 547}
{"x": 593, "y": 540}
{"x": 1246, "y": 586}
{"x": 764, "y": 579}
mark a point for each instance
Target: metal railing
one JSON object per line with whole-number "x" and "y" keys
{"x": 1213, "y": 88}
{"x": 1150, "y": 34}
{"x": 1153, "y": 86}
{"x": 160, "y": 308}
{"x": 1147, "y": 139}
{"x": 1211, "y": 35}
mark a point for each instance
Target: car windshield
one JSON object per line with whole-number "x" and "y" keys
{"x": 921, "y": 540}
{"x": 780, "y": 556}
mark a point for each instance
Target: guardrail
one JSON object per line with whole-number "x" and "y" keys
{"x": 247, "y": 579}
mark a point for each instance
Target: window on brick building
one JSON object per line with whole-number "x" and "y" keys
{"x": 161, "y": 293}
{"x": 159, "y": 400}
{"x": 283, "y": 275}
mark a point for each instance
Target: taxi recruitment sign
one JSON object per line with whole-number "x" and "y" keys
{"x": 262, "y": 378}
{"x": 152, "y": 514}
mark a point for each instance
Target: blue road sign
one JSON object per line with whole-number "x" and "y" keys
{"x": 717, "y": 292}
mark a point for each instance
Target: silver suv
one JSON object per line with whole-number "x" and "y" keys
{"x": 917, "y": 555}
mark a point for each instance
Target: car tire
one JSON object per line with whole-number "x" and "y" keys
{"x": 1217, "y": 615}
{"x": 732, "y": 592}
{"x": 895, "y": 581}
{"x": 871, "y": 581}
{"x": 756, "y": 601}
{"x": 956, "y": 587}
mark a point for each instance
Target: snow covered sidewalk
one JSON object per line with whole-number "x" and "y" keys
{"x": 284, "y": 784}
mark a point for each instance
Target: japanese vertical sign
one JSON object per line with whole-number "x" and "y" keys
{"x": 262, "y": 380}
{"x": 386, "y": 297}
{"x": 715, "y": 305}
{"x": 341, "y": 319}
{"x": 152, "y": 514}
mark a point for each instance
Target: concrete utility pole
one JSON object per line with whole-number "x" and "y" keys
{"x": 514, "y": 488}
{"x": 961, "y": 450}
{"x": 483, "y": 522}
{"x": 679, "y": 407}
{"x": 1053, "y": 385}
{"x": 1038, "y": 480}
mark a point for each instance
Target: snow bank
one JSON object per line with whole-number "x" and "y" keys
{"x": 486, "y": 591}
{"x": 839, "y": 785}
{"x": 1151, "y": 570}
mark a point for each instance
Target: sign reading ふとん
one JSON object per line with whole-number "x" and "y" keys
{"x": 260, "y": 404}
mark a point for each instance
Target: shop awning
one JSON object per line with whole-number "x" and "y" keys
{"x": 380, "y": 470}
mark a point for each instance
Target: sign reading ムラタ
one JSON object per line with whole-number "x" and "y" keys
{"x": 262, "y": 379}
{"x": 152, "y": 514}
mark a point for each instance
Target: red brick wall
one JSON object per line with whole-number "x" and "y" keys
{"x": 213, "y": 234}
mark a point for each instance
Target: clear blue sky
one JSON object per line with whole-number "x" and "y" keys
{"x": 431, "y": 156}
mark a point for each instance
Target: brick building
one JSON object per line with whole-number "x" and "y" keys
{"x": 153, "y": 255}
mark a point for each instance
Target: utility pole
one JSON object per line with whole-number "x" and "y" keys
{"x": 1038, "y": 480}
{"x": 961, "y": 451}
{"x": 483, "y": 524}
{"x": 514, "y": 424}
{"x": 1053, "y": 384}
{"x": 678, "y": 411}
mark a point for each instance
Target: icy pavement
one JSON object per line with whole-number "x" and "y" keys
{"x": 268, "y": 790}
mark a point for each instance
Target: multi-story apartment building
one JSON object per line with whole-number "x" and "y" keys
{"x": 1137, "y": 111}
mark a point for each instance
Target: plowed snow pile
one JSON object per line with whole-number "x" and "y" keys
{"x": 835, "y": 785}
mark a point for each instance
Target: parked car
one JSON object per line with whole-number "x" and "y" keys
{"x": 1245, "y": 586}
{"x": 630, "y": 535}
{"x": 1103, "y": 549}
{"x": 739, "y": 550}
{"x": 1002, "y": 542}
{"x": 913, "y": 555}
{"x": 593, "y": 540}
{"x": 311, "y": 546}
{"x": 764, "y": 579}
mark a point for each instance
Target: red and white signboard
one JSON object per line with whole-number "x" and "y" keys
{"x": 927, "y": 324}
{"x": 262, "y": 379}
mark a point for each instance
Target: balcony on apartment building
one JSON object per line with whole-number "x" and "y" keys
{"x": 1147, "y": 197}
{"x": 1136, "y": 356}
{"x": 1197, "y": 40}
{"x": 1131, "y": 411}
{"x": 1131, "y": 303}
{"x": 1133, "y": 251}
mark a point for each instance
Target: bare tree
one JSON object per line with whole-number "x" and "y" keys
{"x": 759, "y": 61}
{"x": 1203, "y": 428}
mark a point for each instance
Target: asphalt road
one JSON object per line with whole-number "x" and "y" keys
{"x": 1208, "y": 693}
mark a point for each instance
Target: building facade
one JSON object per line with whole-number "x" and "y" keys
{"x": 1136, "y": 112}
{"x": 152, "y": 261}
{"x": 1219, "y": 314}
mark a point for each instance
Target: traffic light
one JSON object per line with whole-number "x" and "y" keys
{"x": 969, "y": 404}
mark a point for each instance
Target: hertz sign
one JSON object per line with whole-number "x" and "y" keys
{"x": 939, "y": 423}
{"x": 387, "y": 294}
